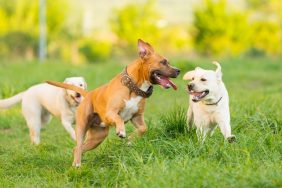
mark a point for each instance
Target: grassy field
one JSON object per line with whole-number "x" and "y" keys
{"x": 168, "y": 155}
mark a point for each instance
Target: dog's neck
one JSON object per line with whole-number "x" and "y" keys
{"x": 214, "y": 103}
{"x": 145, "y": 91}
{"x": 138, "y": 71}
{"x": 70, "y": 101}
{"x": 216, "y": 98}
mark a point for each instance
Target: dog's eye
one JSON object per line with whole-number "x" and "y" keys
{"x": 164, "y": 62}
{"x": 192, "y": 78}
{"x": 80, "y": 85}
{"x": 203, "y": 79}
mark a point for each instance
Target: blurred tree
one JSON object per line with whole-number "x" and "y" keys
{"x": 266, "y": 24}
{"x": 19, "y": 28}
{"x": 94, "y": 50}
{"x": 136, "y": 21}
{"x": 219, "y": 30}
{"x": 143, "y": 21}
{"x": 265, "y": 38}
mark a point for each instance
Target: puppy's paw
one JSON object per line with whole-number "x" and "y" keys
{"x": 121, "y": 134}
{"x": 231, "y": 139}
{"x": 76, "y": 165}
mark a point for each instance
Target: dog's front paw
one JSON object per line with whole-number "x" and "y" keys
{"x": 76, "y": 165}
{"x": 231, "y": 139}
{"x": 121, "y": 134}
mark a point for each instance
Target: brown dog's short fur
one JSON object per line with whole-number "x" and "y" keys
{"x": 107, "y": 105}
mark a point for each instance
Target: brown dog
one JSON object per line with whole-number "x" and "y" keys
{"x": 121, "y": 100}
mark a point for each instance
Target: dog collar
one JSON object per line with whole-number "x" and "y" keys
{"x": 127, "y": 81}
{"x": 215, "y": 102}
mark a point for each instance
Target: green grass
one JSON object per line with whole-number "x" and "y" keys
{"x": 168, "y": 155}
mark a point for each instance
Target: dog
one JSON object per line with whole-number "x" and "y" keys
{"x": 42, "y": 100}
{"x": 121, "y": 100}
{"x": 209, "y": 103}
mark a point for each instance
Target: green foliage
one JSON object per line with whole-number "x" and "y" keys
{"x": 94, "y": 50}
{"x": 143, "y": 20}
{"x": 135, "y": 21}
{"x": 220, "y": 31}
{"x": 19, "y": 26}
{"x": 56, "y": 17}
{"x": 19, "y": 43}
{"x": 266, "y": 26}
{"x": 266, "y": 37}
{"x": 19, "y": 15}
{"x": 223, "y": 31}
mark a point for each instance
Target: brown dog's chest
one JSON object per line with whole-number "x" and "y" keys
{"x": 131, "y": 107}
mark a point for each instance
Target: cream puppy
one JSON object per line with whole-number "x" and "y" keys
{"x": 42, "y": 100}
{"x": 209, "y": 103}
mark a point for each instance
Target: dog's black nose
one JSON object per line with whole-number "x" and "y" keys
{"x": 78, "y": 95}
{"x": 177, "y": 71}
{"x": 191, "y": 86}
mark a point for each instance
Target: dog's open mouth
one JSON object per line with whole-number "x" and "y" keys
{"x": 197, "y": 96}
{"x": 77, "y": 98}
{"x": 162, "y": 80}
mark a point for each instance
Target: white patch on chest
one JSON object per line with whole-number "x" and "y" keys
{"x": 131, "y": 105}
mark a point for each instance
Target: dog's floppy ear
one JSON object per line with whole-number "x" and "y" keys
{"x": 145, "y": 49}
{"x": 218, "y": 70}
{"x": 189, "y": 75}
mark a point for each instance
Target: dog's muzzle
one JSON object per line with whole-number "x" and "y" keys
{"x": 190, "y": 86}
{"x": 196, "y": 96}
{"x": 163, "y": 79}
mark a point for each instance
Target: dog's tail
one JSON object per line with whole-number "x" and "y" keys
{"x": 68, "y": 86}
{"x": 8, "y": 103}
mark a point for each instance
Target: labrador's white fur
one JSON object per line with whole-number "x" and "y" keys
{"x": 42, "y": 100}
{"x": 213, "y": 109}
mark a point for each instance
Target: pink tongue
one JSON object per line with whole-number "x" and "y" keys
{"x": 196, "y": 94}
{"x": 165, "y": 82}
{"x": 78, "y": 99}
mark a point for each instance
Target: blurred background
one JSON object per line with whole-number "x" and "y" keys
{"x": 87, "y": 31}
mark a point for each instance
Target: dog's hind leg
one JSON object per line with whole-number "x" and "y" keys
{"x": 34, "y": 130}
{"x": 95, "y": 136}
{"x": 32, "y": 113}
{"x": 80, "y": 133}
{"x": 45, "y": 117}
{"x": 82, "y": 114}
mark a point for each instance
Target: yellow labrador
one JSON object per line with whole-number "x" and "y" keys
{"x": 209, "y": 102}
{"x": 42, "y": 100}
